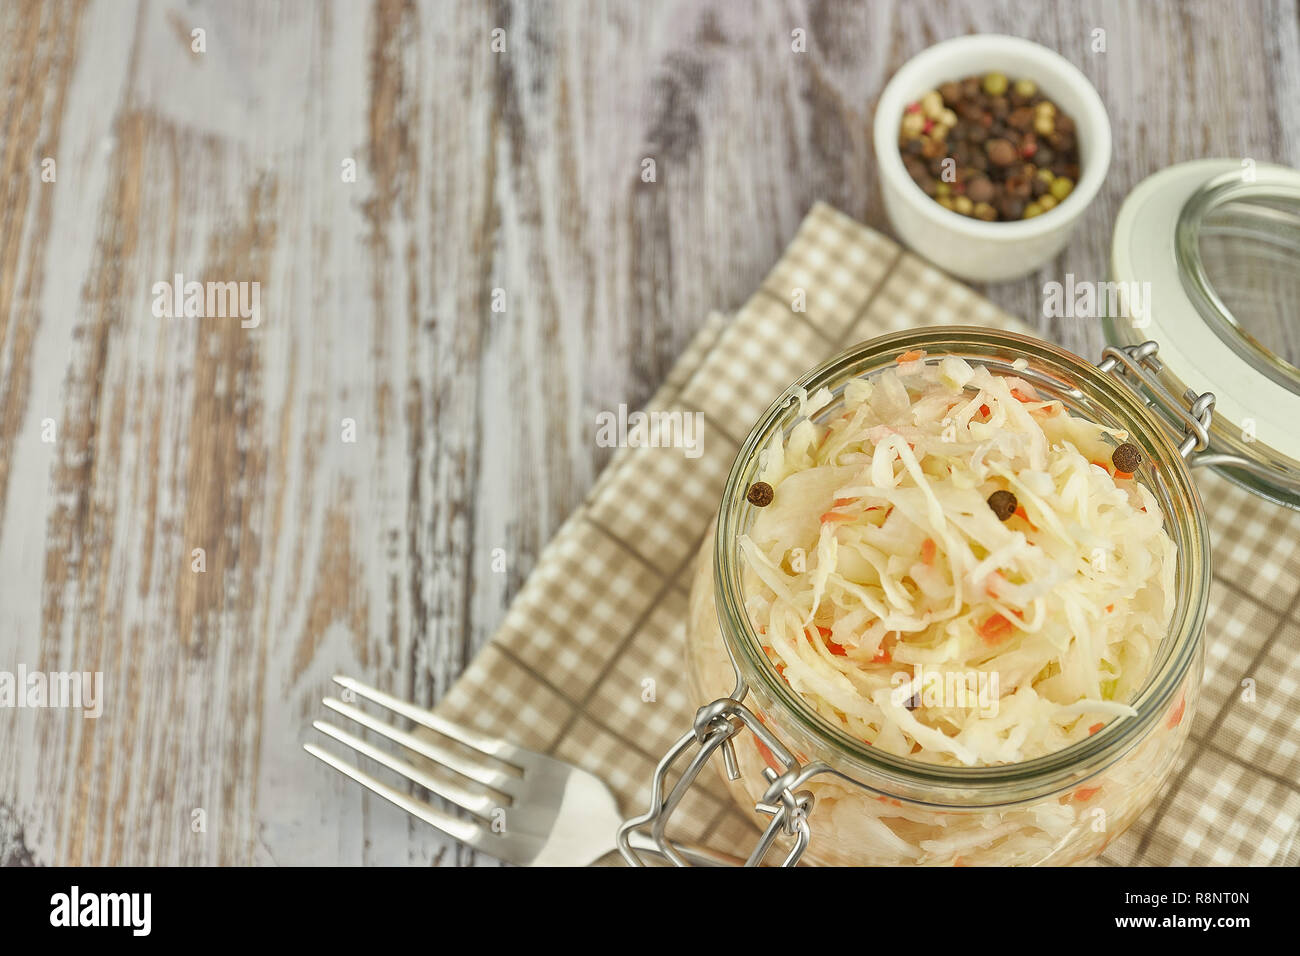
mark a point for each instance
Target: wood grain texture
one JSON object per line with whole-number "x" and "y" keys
{"x": 481, "y": 177}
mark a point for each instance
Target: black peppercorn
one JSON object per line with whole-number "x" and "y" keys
{"x": 760, "y": 494}
{"x": 1003, "y": 504}
{"x": 1126, "y": 458}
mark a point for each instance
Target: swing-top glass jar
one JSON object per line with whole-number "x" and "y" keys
{"x": 807, "y": 762}
{"x": 877, "y": 808}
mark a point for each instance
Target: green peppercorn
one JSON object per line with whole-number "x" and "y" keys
{"x": 1003, "y": 504}
{"x": 760, "y": 494}
{"x": 1062, "y": 186}
{"x": 1025, "y": 88}
{"x": 1032, "y": 210}
{"x": 1047, "y": 201}
{"x": 942, "y": 189}
{"x": 995, "y": 84}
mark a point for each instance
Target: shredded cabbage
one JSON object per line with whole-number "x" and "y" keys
{"x": 883, "y": 584}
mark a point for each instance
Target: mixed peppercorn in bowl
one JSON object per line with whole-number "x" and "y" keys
{"x": 989, "y": 151}
{"x": 990, "y": 148}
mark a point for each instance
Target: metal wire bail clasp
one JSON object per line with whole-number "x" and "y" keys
{"x": 1196, "y": 411}
{"x": 714, "y": 727}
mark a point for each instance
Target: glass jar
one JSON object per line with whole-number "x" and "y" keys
{"x": 875, "y": 808}
{"x": 1204, "y": 261}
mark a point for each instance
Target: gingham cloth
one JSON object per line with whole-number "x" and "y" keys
{"x": 588, "y": 664}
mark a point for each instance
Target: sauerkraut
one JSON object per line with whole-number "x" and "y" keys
{"x": 889, "y": 825}
{"x": 893, "y": 597}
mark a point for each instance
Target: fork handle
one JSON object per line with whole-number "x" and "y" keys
{"x": 696, "y": 855}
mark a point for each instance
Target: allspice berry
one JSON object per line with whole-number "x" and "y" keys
{"x": 1127, "y": 457}
{"x": 1003, "y": 504}
{"x": 760, "y": 494}
{"x": 1001, "y": 152}
{"x": 980, "y": 189}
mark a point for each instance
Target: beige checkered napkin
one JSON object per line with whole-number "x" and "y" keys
{"x": 601, "y": 616}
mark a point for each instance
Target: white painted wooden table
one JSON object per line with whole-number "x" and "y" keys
{"x": 511, "y": 177}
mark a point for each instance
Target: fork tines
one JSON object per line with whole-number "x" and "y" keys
{"x": 481, "y": 771}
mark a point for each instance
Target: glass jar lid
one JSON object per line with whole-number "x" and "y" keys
{"x": 1206, "y": 261}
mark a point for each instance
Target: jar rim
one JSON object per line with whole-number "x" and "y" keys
{"x": 997, "y": 782}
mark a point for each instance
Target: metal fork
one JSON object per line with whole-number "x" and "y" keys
{"x": 526, "y": 808}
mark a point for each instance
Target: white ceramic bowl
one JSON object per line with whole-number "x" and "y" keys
{"x": 971, "y": 248}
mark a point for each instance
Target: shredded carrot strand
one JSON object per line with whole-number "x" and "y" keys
{"x": 825, "y": 633}
{"x": 995, "y": 629}
{"x": 832, "y": 517}
{"x": 1023, "y": 515}
{"x": 1176, "y": 715}
{"x": 769, "y": 758}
